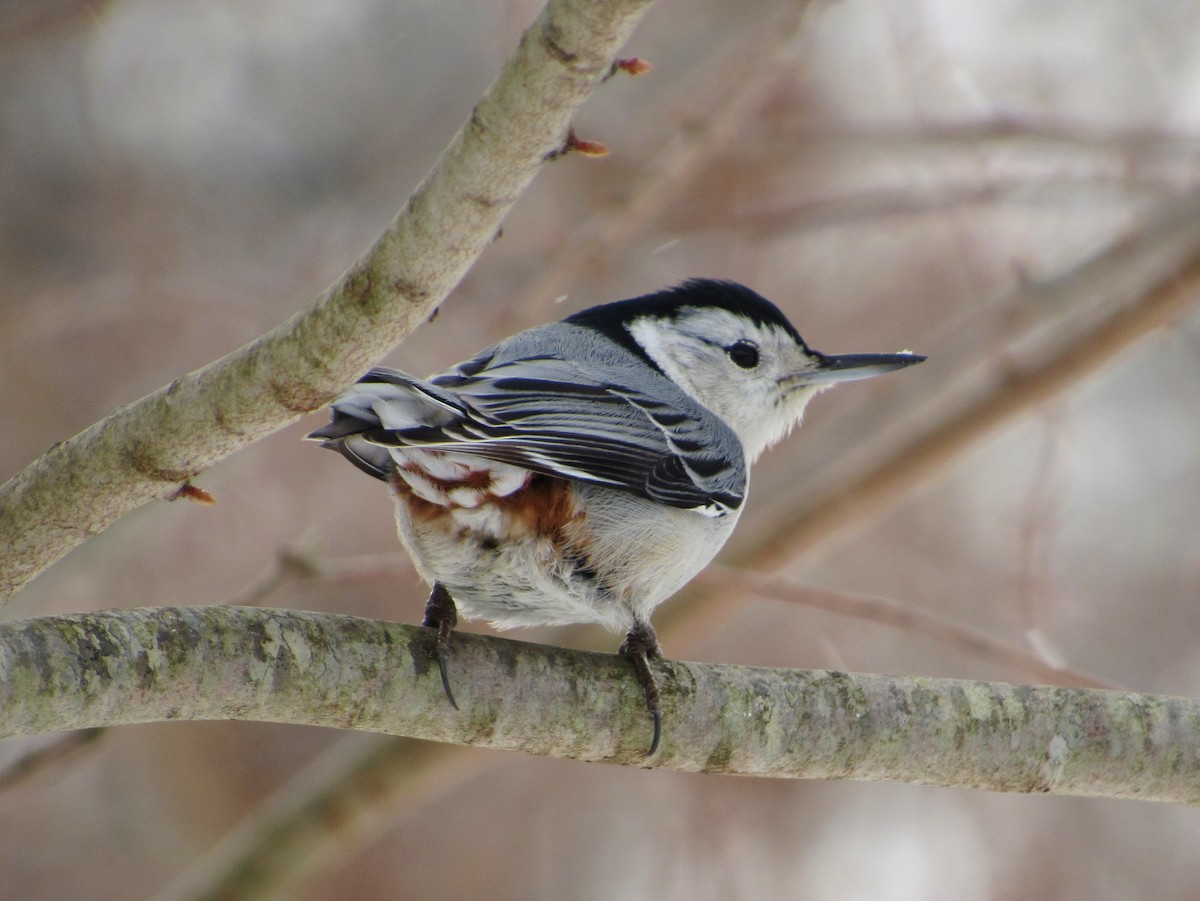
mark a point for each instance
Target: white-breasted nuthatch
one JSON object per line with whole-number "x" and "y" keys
{"x": 583, "y": 471}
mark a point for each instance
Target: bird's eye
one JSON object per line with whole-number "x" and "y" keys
{"x": 744, "y": 353}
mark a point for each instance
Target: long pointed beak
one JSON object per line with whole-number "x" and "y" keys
{"x": 850, "y": 367}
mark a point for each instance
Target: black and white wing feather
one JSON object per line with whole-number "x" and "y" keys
{"x": 550, "y": 416}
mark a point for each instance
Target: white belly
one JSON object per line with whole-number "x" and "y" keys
{"x": 617, "y": 558}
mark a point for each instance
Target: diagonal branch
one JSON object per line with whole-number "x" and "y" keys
{"x": 349, "y": 790}
{"x": 248, "y": 663}
{"x": 150, "y": 449}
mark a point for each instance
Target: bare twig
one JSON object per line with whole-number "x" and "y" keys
{"x": 1049, "y": 357}
{"x": 348, "y": 793}
{"x": 1045, "y": 137}
{"x": 294, "y": 565}
{"x": 733, "y": 583}
{"x": 902, "y": 172}
{"x": 680, "y": 163}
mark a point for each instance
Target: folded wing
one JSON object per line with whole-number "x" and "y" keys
{"x": 549, "y": 416}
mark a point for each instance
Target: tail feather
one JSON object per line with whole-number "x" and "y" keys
{"x": 341, "y": 426}
{"x": 370, "y": 458}
{"x": 384, "y": 399}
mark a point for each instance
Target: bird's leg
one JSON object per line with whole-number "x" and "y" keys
{"x": 441, "y": 614}
{"x": 641, "y": 646}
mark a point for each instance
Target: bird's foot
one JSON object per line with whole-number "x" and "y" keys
{"x": 641, "y": 646}
{"x": 441, "y": 614}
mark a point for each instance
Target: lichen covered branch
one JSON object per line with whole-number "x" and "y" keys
{"x": 248, "y": 663}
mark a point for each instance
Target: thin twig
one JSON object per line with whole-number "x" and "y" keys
{"x": 293, "y": 565}
{"x": 351, "y": 789}
{"x": 678, "y": 165}
{"x": 1026, "y": 382}
{"x": 908, "y": 201}
{"x": 734, "y": 583}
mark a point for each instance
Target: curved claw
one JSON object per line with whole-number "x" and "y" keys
{"x": 442, "y": 651}
{"x": 640, "y": 645}
{"x": 441, "y": 614}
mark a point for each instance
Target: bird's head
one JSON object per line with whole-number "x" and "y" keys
{"x": 735, "y": 353}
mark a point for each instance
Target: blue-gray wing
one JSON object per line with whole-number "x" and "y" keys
{"x": 562, "y": 419}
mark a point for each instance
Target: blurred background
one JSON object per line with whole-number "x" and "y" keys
{"x": 1004, "y": 186}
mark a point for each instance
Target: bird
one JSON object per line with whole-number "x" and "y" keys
{"x": 584, "y": 470}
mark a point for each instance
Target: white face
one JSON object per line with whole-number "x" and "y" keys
{"x": 750, "y": 375}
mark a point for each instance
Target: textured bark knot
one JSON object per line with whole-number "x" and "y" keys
{"x": 296, "y": 396}
{"x": 551, "y": 38}
{"x": 487, "y": 202}
{"x": 410, "y": 290}
{"x": 141, "y": 459}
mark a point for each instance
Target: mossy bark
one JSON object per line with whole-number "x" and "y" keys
{"x": 247, "y": 663}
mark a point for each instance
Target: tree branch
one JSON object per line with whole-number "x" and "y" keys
{"x": 979, "y": 643}
{"x": 248, "y": 663}
{"x": 343, "y": 799}
{"x": 152, "y": 448}
{"x": 758, "y": 66}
